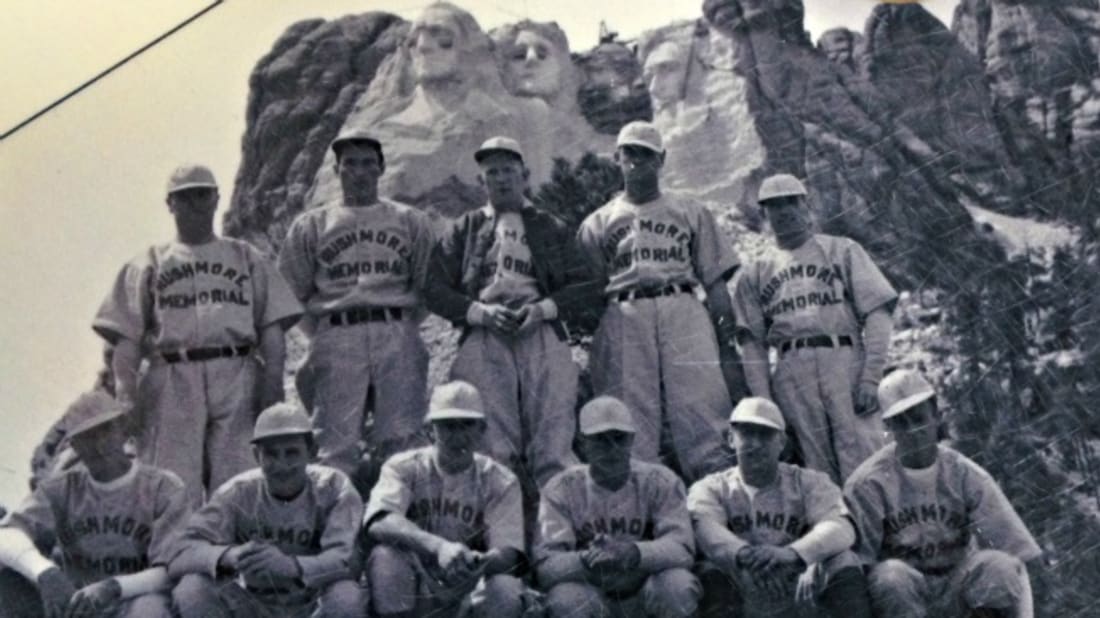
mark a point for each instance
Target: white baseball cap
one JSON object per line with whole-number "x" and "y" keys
{"x": 455, "y": 400}
{"x": 758, "y": 411}
{"x": 498, "y": 144}
{"x": 281, "y": 419}
{"x": 902, "y": 390}
{"x": 354, "y": 134}
{"x": 91, "y": 410}
{"x": 191, "y": 177}
{"x": 606, "y": 413}
{"x": 780, "y": 185}
{"x": 641, "y": 133}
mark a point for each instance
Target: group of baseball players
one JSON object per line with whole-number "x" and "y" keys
{"x": 374, "y": 499}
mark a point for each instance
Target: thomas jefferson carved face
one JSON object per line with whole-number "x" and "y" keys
{"x": 664, "y": 74}
{"x": 534, "y": 64}
{"x": 434, "y": 43}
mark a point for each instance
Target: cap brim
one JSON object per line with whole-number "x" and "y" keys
{"x": 646, "y": 145}
{"x": 609, "y": 426}
{"x": 454, "y": 413}
{"x": 96, "y": 421}
{"x": 902, "y": 405}
{"x": 777, "y": 196}
{"x": 485, "y": 152}
{"x": 193, "y": 185}
{"x": 758, "y": 421}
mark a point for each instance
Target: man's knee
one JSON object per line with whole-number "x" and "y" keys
{"x": 343, "y": 599}
{"x": 574, "y": 600}
{"x": 897, "y": 589}
{"x": 993, "y": 579}
{"x": 502, "y": 598}
{"x": 154, "y": 605}
{"x": 196, "y": 596}
{"x": 672, "y": 593}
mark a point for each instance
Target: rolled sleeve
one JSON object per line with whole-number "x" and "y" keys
{"x": 673, "y": 543}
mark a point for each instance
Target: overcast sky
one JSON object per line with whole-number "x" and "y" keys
{"x": 81, "y": 189}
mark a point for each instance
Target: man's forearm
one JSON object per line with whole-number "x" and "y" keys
{"x": 125, "y": 361}
{"x": 754, "y": 362}
{"x": 273, "y": 353}
{"x": 395, "y": 529}
{"x": 876, "y": 344}
{"x": 501, "y": 560}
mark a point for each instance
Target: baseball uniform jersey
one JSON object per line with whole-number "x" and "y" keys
{"x": 779, "y": 515}
{"x": 177, "y": 297}
{"x": 930, "y": 518}
{"x": 827, "y": 286}
{"x": 339, "y": 258}
{"x": 319, "y": 527}
{"x": 648, "y": 510}
{"x": 105, "y": 529}
{"x": 479, "y": 507}
{"x": 659, "y": 355}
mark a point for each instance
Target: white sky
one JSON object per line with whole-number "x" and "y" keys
{"x": 81, "y": 189}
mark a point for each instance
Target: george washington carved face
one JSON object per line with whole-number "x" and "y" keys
{"x": 434, "y": 45}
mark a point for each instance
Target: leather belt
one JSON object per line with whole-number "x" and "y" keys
{"x": 369, "y": 314}
{"x": 194, "y": 355}
{"x": 668, "y": 290}
{"x": 817, "y": 341}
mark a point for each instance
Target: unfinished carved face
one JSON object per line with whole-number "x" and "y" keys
{"x": 434, "y": 43}
{"x": 664, "y": 74}
{"x": 534, "y": 66}
{"x": 837, "y": 46}
{"x": 722, "y": 14}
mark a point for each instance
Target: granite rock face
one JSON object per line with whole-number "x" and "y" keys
{"x": 299, "y": 95}
{"x": 1040, "y": 61}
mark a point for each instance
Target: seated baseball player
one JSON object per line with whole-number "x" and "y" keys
{"x": 776, "y": 537}
{"x": 114, "y": 520}
{"x": 275, "y": 541}
{"x": 447, "y": 523}
{"x": 937, "y": 531}
{"x": 614, "y": 534}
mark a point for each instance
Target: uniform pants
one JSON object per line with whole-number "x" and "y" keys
{"x": 405, "y": 586}
{"x": 673, "y": 593}
{"x": 660, "y": 357}
{"x": 839, "y": 587}
{"x": 987, "y": 578}
{"x": 196, "y": 420}
{"x": 343, "y": 365}
{"x": 19, "y": 599}
{"x": 529, "y": 388}
{"x": 198, "y": 596}
{"x": 815, "y": 389}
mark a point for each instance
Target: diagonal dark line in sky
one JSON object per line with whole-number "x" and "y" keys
{"x": 110, "y": 69}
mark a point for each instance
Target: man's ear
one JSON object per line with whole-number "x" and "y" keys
{"x": 256, "y": 454}
{"x": 526, "y": 173}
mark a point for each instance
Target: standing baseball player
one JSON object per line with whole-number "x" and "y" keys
{"x": 113, "y": 519}
{"x": 658, "y": 253}
{"x": 286, "y": 530}
{"x": 359, "y": 267}
{"x": 776, "y": 537}
{"x": 208, "y": 314}
{"x": 507, "y": 273}
{"x": 825, "y": 307}
{"x": 615, "y": 535}
{"x": 447, "y": 522}
{"x": 939, "y": 535}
